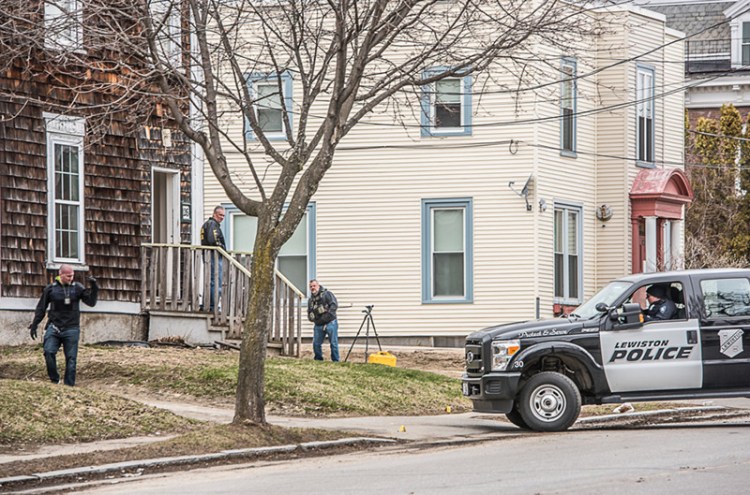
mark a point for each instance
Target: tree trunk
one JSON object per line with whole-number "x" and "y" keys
{"x": 250, "y": 403}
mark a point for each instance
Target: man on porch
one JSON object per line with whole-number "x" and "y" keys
{"x": 211, "y": 235}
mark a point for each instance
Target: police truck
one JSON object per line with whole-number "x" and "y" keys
{"x": 539, "y": 373}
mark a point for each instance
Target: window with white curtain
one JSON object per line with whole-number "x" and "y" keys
{"x": 568, "y": 254}
{"x": 447, "y": 250}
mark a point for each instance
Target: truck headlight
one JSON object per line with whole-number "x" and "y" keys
{"x": 502, "y": 351}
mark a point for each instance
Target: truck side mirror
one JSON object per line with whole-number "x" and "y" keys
{"x": 602, "y": 308}
{"x": 629, "y": 315}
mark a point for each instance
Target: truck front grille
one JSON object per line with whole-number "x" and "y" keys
{"x": 474, "y": 359}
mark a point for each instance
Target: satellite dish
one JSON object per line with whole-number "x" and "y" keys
{"x": 524, "y": 191}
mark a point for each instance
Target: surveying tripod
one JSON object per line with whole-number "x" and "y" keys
{"x": 366, "y": 320}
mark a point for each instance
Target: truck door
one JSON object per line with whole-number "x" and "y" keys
{"x": 725, "y": 331}
{"x": 658, "y": 355}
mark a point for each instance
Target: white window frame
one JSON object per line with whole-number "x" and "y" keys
{"x": 565, "y": 209}
{"x": 63, "y": 21}
{"x": 737, "y": 15}
{"x": 168, "y": 29}
{"x": 285, "y": 80}
{"x": 261, "y": 105}
{"x": 435, "y": 94}
{"x": 744, "y": 43}
{"x": 568, "y": 85}
{"x": 66, "y": 131}
{"x": 645, "y": 85}
{"x": 429, "y": 101}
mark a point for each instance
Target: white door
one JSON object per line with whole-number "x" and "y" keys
{"x": 165, "y": 206}
{"x": 165, "y": 220}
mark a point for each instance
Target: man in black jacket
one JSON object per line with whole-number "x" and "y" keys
{"x": 321, "y": 310}
{"x": 660, "y": 308}
{"x": 63, "y": 298}
{"x": 211, "y": 235}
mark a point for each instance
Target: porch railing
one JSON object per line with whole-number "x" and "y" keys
{"x": 178, "y": 278}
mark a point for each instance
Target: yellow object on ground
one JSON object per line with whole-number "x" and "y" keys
{"x": 382, "y": 357}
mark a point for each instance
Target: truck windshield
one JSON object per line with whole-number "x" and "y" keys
{"x": 608, "y": 295}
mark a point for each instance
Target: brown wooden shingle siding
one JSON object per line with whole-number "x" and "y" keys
{"x": 118, "y": 159}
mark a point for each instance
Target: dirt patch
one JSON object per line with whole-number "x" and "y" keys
{"x": 445, "y": 361}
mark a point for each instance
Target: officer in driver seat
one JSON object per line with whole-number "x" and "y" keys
{"x": 659, "y": 306}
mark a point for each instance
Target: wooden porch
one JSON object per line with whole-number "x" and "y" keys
{"x": 176, "y": 283}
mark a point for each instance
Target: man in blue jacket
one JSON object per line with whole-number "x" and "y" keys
{"x": 321, "y": 310}
{"x": 63, "y": 297}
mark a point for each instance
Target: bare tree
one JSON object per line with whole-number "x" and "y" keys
{"x": 716, "y": 232}
{"x": 347, "y": 59}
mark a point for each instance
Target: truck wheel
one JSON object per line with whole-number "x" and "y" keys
{"x": 549, "y": 402}
{"x": 514, "y": 416}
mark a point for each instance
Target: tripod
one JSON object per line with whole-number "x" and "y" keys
{"x": 367, "y": 319}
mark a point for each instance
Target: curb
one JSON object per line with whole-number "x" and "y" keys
{"x": 188, "y": 459}
{"x": 658, "y": 412}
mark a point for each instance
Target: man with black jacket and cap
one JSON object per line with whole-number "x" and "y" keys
{"x": 321, "y": 310}
{"x": 660, "y": 308}
{"x": 62, "y": 297}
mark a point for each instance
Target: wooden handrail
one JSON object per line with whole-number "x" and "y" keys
{"x": 178, "y": 278}
{"x": 227, "y": 255}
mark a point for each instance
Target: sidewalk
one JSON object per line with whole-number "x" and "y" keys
{"x": 444, "y": 428}
{"x": 414, "y": 428}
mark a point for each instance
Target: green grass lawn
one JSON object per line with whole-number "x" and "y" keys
{"x": 36, "y": 412}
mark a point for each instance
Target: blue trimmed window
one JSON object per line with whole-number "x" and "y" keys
{"x": 264, "y": 90}
{"x": 645, "y": 113}
{"x": 296, "y": 259}
{"x": 568, "y": 254}
{"x": 446, "y": 106}
{"x": 447, "y": 251}
{"x": 568, "y": 104}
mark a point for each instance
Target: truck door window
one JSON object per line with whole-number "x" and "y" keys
{"x": 726, "y": 297}
{"x": 672, "y": 291}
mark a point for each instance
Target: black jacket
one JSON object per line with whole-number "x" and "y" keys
{"x": 663, "y": 309}
{"x": 211, "y": 234}
{"x": 60, "y": 314}
{"x": 321, "y": 307}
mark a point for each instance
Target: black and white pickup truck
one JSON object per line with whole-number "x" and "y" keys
{"x": 539, "y": 373}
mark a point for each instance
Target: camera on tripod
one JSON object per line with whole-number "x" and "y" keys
{"x": 368, "y": 321}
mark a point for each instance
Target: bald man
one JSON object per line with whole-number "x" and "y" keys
{"x": 63, "y": 297}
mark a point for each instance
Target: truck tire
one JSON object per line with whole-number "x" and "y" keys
{"x": 549, "y": 401}
{"x": 514, "y": 416}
